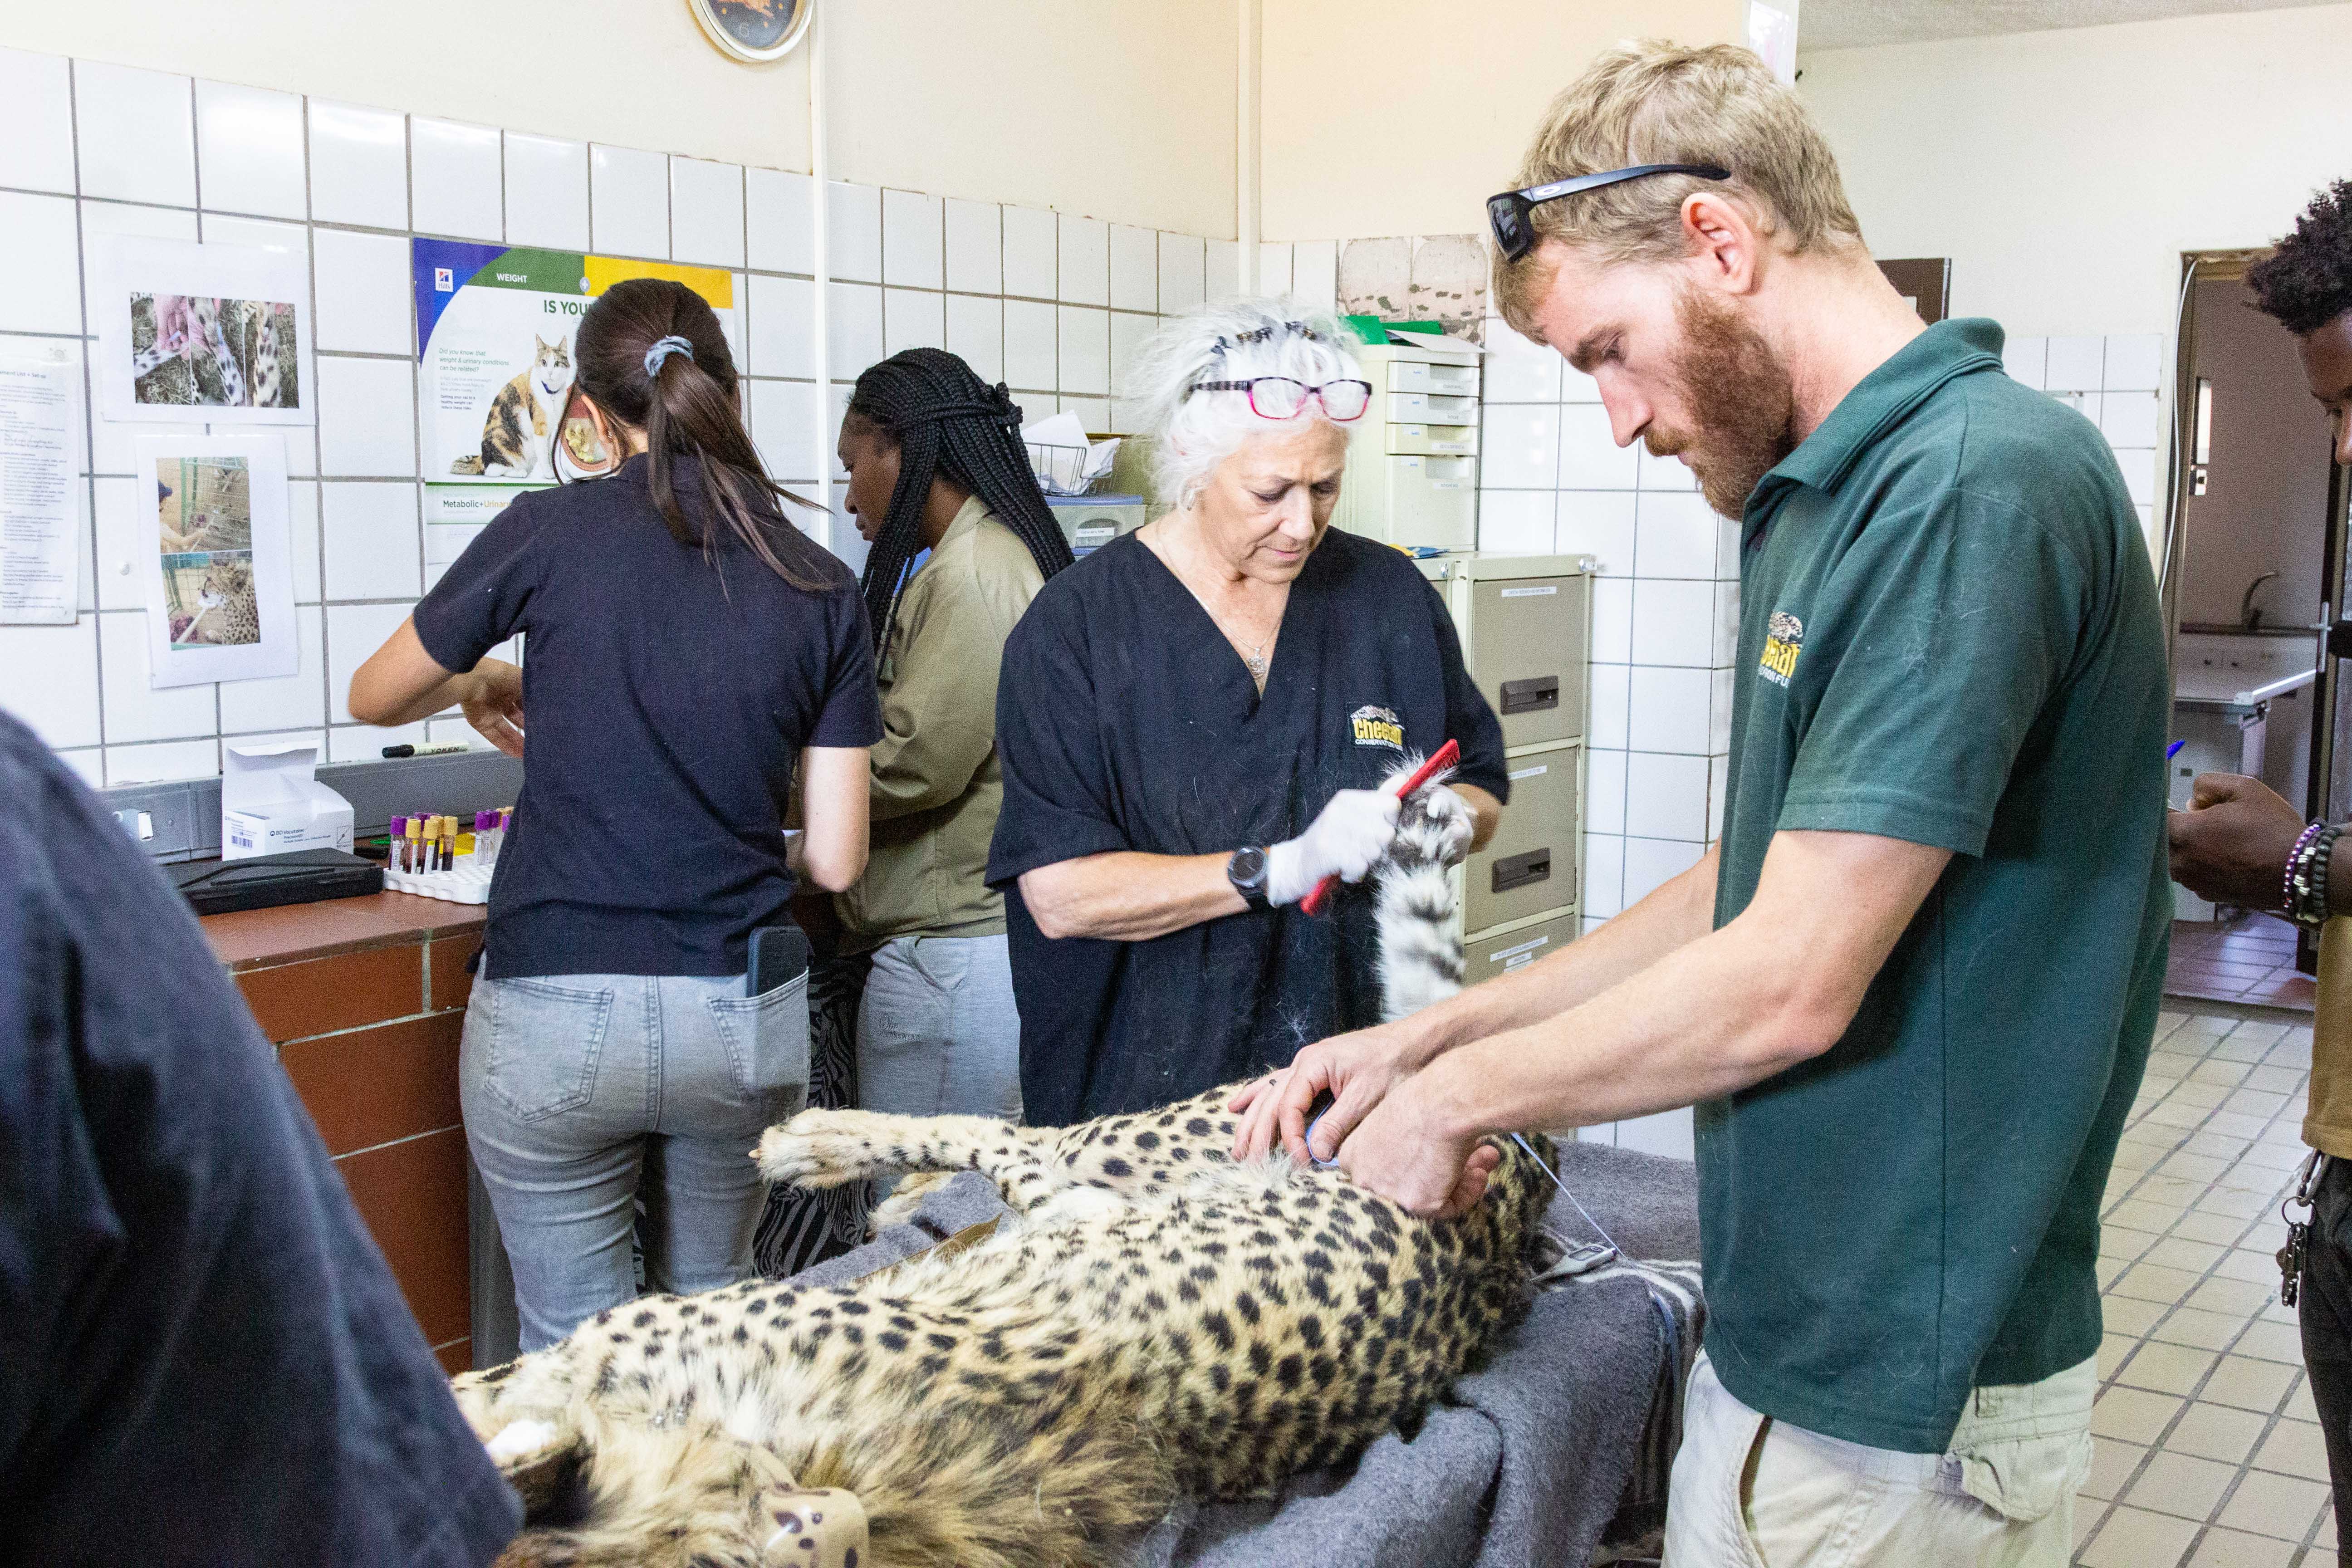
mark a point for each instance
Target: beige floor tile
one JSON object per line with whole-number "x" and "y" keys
{"x": 2108, "y": 1270}
{"x": 2113, "y": 1350}
{"x": 2178, "y": 1484}
{"x": 2210, "y": 1432}
{"x": 2112, "y": 1464}
{"x": 2207, "y": 1330}
{"x": 2255, "y": 1102}
{"x": 2272, "y": 1342}
{"x": 2325, "y": 1540}
{"x": 2228, "y": 1075}
{"x": 2204, "y": 1095}
{"x": 2134, "y": 1538}
{"x": 2277, "y": 1156}
{"x": 2134, "y": 1414}
{"x": 2254, "y": 1268}
{"x": 2279, "y": 1506}
{"x": 2232, "y": 1124}
{"x": 2178, "y": 1252}
{"x": 2248, "y": 1384}
{"x": 2298, "y": 1407}
{"x": 2235, "y": 1549}
{"x": 2173, "y": 1112}
{"x": 2168, "y": 1369}
{"x": 2122, "y": 1241}
{"x": 2268, "y": 1235}
{"x": 2278, "y": 1080}
{"x": 2235, "y": 1202}
{"x": 2295, "y": 1448}
{"x": 2210, "y": 1140}
{"x": 2197, "y": 1168}
{"x": 2291, "y": 1053}
{"x": 2237, "y": 1298}
{"x": 2089, "y": 1514}
{"x": 2132, "y": 1157}
{"x": 2138, "y": 1213}
{"x": 2241, "y": 1046}
{"x": 2125, "y": 1315}
{"x": 2220, "y": 1229}
{"x": 2153, "y": 1282}
{"x": 2272, "y": 1312}
{"x": 2176, "y": 1191}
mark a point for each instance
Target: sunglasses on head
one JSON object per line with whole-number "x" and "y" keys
{"x": 1509, "y": 213}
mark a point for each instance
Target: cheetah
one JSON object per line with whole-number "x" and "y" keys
{"x": 1154, "y": 1321}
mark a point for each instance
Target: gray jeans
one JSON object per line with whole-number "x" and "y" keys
{"x": 937, "y": 1034}
{"x": 583, "y": 1091}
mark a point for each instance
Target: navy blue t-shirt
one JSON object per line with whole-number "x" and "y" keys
{"x": 1124, "y": 720}
{"x": 667, "y": 694}
{"x": 202, "y": 1357}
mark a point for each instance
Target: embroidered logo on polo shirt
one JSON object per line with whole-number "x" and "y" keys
{"x": 1376, "y": 726}
{"x": 1783, "y": 641}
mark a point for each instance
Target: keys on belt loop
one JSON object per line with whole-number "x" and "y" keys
{"x": 2298, "y": 1231}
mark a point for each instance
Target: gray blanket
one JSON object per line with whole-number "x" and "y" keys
{"x": 1536, "y": 1452}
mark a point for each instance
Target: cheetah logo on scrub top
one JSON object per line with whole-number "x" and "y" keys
{"x": 1784, "y": 640}
{"x": 1372, "y": 725}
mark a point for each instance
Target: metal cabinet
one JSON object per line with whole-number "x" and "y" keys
{"x": 1412, "y": 467}
{"x": 1525, "y": 623}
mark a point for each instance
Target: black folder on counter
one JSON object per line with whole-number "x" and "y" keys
{"x": 298, "y": 877}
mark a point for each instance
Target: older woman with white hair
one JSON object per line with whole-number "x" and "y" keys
{"x": 1193, "y": 724}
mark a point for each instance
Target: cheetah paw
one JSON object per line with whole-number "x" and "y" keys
{"x": 902, "y": 1203}
{"x": 821, "y": 1148}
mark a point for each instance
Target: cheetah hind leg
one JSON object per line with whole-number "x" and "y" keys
{"x": 828, "y": 1148}
{"x": 904, "y": 1200}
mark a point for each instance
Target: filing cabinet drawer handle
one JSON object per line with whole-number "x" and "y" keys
{"x": 1520, "y": 871}
{"x": 1535, "y": 692}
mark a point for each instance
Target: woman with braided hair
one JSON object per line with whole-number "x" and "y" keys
{"x": 936, "y": 464}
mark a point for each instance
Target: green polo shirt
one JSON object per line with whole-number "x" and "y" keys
{"x": 1949, "y": 636}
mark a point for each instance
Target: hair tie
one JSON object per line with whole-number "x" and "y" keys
{"x": 661, "y": 351}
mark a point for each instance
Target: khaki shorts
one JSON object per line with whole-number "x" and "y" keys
{"x": 1750, "y": 1491}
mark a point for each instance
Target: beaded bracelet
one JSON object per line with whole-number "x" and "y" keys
{"x": 2304, "y": 899}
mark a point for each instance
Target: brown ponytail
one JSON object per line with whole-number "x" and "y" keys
{"x": 687, "y": 409}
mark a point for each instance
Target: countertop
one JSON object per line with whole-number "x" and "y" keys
{"x": 256, "y": 938}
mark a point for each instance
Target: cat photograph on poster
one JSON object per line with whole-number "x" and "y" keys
{"x": 523, "y": 415}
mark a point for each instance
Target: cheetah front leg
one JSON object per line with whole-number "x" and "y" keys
{"x": 828, "y": 1148}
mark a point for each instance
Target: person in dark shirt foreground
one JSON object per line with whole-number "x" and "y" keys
{"x": 202, "y": 1357}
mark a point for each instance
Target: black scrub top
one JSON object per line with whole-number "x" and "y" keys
{"x": 1125, "y": 721}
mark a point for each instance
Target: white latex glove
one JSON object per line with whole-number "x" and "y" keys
{"x": 1454, "y": 821}
{"x": 1351, "y": 834}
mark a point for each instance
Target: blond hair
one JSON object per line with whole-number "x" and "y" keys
{"x": 1655, "y": 102}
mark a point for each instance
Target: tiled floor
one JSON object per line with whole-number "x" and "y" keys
{"x": 2249, "y": 959}
{"x": 2208, "y": 1450}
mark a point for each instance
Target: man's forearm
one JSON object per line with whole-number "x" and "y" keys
{"x": 1677, "y": 913}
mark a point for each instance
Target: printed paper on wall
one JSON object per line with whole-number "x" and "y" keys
{"x": 213, "y": 333}
{"x": 220, "y": 575}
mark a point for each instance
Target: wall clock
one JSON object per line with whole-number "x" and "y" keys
{"x": 754, "y": 30}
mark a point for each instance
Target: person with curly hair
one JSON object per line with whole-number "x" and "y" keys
{"x": 2239, "y": 843}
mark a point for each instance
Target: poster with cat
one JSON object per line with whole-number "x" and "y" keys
{"x": 495, "y": 325}
{"x": 220, "y": 575}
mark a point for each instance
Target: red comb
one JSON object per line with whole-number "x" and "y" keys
{"x": 1445, "y": 757}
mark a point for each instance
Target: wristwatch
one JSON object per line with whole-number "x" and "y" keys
{"x": 1246, "y": 872}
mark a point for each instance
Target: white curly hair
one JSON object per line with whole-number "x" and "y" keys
{"x": 1231, "y": 340}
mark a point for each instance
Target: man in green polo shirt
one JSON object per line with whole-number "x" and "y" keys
{"x": 1911, "y": 991}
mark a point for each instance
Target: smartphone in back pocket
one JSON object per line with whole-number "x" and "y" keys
{"x": 780, "y": 956}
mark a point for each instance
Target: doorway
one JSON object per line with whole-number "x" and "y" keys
{"x": 2255, "y": 573}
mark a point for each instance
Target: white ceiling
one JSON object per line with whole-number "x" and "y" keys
{"x": 1850, "y": 24}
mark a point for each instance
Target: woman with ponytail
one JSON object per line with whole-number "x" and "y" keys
{"x": 690, "y": 651}
{"x": 936, "y": 464}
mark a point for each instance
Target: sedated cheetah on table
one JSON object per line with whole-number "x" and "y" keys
{"x": 1158, "y": 1322}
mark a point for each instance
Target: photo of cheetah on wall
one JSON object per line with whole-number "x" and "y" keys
{"x": 206, "y": 352}
{"x": 204, "y": 531}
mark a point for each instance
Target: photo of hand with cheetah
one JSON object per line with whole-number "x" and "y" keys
{"x": 1153, "y": 1322}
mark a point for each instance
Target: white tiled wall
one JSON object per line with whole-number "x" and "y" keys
{"x": 2115, "y": 383}
{"x": 1052, "y": 302}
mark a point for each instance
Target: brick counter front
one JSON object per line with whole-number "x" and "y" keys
{"x": 364, "y": 999}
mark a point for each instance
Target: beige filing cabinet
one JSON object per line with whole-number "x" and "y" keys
{"x": 1525, "y": 622}
{"x": 1412, "y": 467}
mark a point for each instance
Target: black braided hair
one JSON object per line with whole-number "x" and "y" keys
{"x": 946, "y": 421}
{"x": 2306, "y": 282}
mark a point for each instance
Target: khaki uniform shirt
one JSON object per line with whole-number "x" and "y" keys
{"x": 2328, "y": 1123}
{"x": 937, "y": 785}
